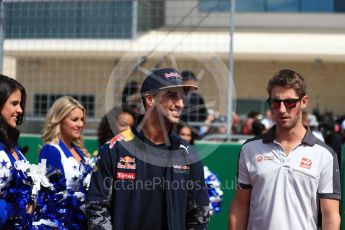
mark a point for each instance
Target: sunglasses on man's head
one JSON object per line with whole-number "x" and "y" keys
{"x": 288, "y": 103}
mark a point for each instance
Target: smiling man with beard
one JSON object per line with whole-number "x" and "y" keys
{"x": 147, "y": 177}
{"x": 286, "y": 174}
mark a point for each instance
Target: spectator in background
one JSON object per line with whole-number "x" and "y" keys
{"x": 246, "y": 128}
{"x": 335, "y": 140}
{"x": 314, "y": 127}
{"x": 216, "y": 124}
{"x": 311, "y": 121}
{"x": 218, "y": 129}
{"x": 185, "y": 132}
{"x": 267, "y": 121}
{"x": 334, "y": 135}
{"x": 305, "y": 120}
{"x": 211, "y": 115}
{"x": 195, "y": 109}
{"x": 236, "y": 121}
{"x": 343, "y": 125}
{"x": 258, "y": 128}
{"x": 113, "y": 122}
{"x": 330, "y": 129}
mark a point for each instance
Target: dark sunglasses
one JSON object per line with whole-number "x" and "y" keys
{"x": 288, "y": 103}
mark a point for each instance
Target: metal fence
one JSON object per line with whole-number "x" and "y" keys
{"x": 92, "y": 50}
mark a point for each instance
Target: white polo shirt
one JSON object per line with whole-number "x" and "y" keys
{"x": 285, "y": 189}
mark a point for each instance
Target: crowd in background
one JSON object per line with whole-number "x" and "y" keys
{"x": 327, "y": 127}
{"x": 208, "y": 124}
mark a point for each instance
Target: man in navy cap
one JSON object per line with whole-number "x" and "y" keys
{"x": 147, "y": 177}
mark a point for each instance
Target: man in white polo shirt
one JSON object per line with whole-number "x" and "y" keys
{"x": 286, "y": 175}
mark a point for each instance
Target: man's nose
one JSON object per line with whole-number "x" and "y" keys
{"x": 282, "y": 107}
{"x": 180, "y": 102}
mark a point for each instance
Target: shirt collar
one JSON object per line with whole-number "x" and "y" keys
{"x": 9, "y": 154}
{"x": 68, "y": 153}
{"x": 174, "y": 141}
{"x": 308, "y": 139}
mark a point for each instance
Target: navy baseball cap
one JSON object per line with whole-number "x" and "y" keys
{"x": 164, "y": 78}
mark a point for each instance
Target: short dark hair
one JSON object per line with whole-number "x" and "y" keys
{"x": 289, "y": 79}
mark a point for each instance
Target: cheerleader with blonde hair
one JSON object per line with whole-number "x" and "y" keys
{"x": 62, "y": 135}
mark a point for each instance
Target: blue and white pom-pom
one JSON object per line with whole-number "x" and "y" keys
{"x": 214, "y": 191}
{"x": 62, "y": 208}
{"x": 17, "y": 194}
{"x": 59, "y": 208}
{"x": 24, "y": 183}
{"x": 55, "y": 207}
{"x": 85, "y": 178}
{"x": 37, "y": 173}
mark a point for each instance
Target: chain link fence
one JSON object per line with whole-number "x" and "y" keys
{"x": 92, "y": 50}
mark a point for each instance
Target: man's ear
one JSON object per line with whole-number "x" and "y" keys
{"x": 150, "y": 100}
{"x": 304, "y": 102}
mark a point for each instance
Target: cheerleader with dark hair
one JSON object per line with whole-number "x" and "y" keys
{"x": 12, "y": 107}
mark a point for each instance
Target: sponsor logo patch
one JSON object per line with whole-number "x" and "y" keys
{"x": 185, "y": 148}
{"x": 173, "y": 74}
{"x": 125, "y": 176}
{"x": 261, "y": 158}
{"x": 126, "y": 135}
{"x": 305, "y": 163}
{"x": 181, "y": 168}
{"x": 126, "y": 163}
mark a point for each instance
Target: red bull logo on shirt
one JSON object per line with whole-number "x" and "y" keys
{"x": 126, "y": 163}
{"x": 126, "y": 135}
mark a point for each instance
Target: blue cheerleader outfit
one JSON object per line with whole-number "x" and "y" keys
{"x": 7, "y": 161}
{"x": 58, "y": 156}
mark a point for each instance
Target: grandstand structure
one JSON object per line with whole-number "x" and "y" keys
{"x": 90, "y": 49}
